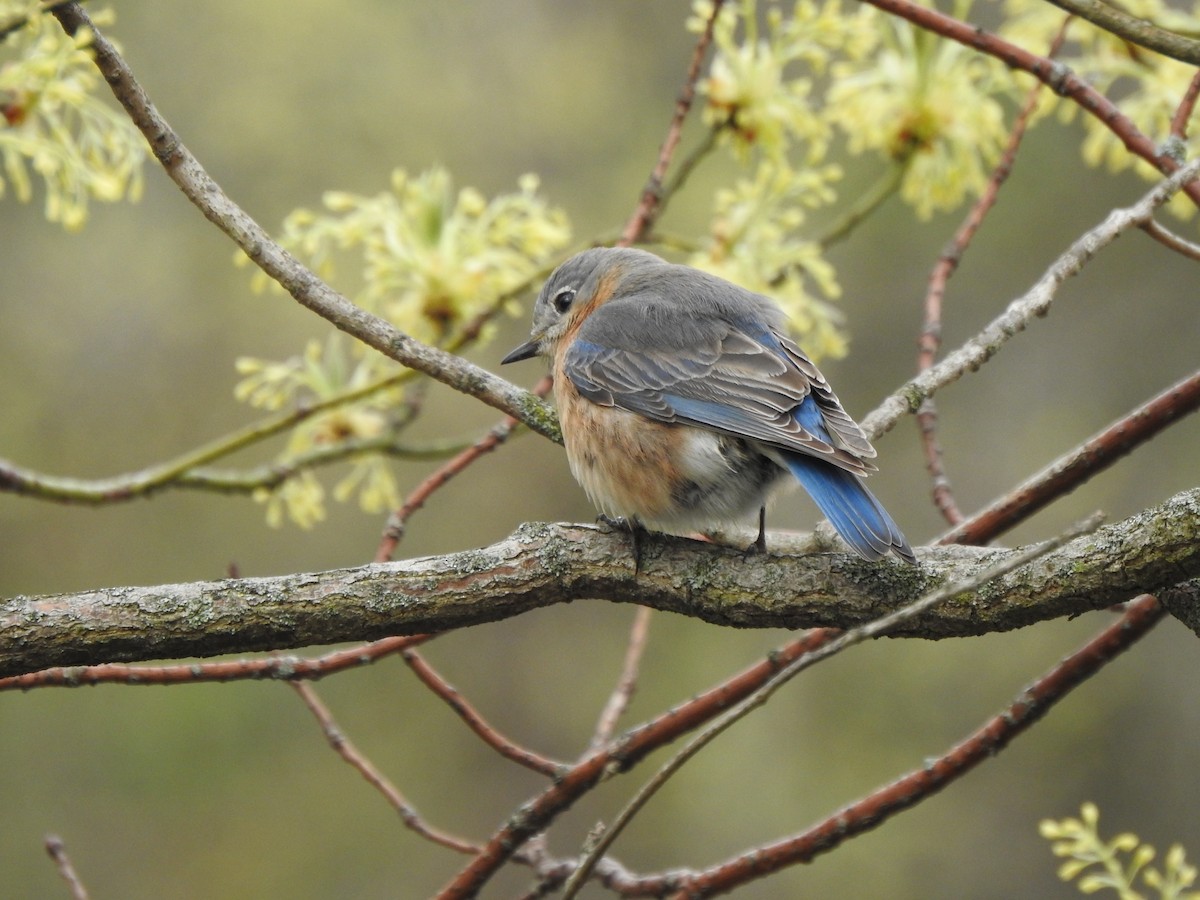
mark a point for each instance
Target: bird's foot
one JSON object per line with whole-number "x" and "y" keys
{"x": 758, "y": 548}
{"x": 633, "y": 528}
{"x": 760, "y": 542}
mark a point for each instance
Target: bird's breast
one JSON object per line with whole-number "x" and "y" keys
{"x": 670, "y": 477}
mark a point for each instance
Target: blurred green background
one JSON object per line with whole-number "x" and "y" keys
{"x": 117, "y": 350}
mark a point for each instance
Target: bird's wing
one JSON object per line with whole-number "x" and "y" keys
{"x": 731, "y": 373}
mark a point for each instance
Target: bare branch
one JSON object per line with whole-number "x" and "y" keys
{"x": 1134, "y": 30}
{"x": 101, "y": 491}
{"x": 1035, "y": 303}
{"x": 397, "y": 522}
{"x": 1183, "y": 112}
{"x": 873, "y": 629}
{"x": 277, "y": 668}
{"x": 451, "y": 696}
{"x": 540, "y": 565}
{"x": 1093, "y": 456}
{"x": 654, "y": 198}
{"x": 188, "y": 468}
{"x": 930, "y": 340}
{"x": 630, "y": 748}
{"x": 354, "y": 757}
{"x": 1171, "y": 240}
{"x": 1028, "y": 707}
{"x": 58, "y": 852}
{"x": 619, "y": 699}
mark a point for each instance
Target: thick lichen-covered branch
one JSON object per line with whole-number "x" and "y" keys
{"x": 801, "y": 583}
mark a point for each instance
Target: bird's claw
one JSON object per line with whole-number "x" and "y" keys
{"x": 760, "y": 542}
{"x": 633, "y": 528}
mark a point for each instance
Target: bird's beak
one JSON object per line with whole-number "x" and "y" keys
{"x": 525, "y": 351}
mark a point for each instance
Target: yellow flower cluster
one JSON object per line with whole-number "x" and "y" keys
{"x": 933, "y": 106}
{"x": 436, "y": 262}
{"x": 53, "y": 126}
{"x": 762, "y": 90}
{"x": 431, "y": 258}
{"x": 1118, "y": 864}
{"x": 325, "y": 371}
{"x": 787, "y": 83}
{"x": 1145, "y": 86}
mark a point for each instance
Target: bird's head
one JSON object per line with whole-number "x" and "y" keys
{"x": 574, "y": 289}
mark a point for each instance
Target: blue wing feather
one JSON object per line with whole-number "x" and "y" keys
{"x": 736, "y": 375}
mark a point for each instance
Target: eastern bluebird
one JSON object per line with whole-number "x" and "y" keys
{"x": 684, "y": 404}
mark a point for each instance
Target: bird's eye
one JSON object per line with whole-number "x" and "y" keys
{"x": 563, "y": 299}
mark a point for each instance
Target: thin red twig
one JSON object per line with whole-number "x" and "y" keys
{"x": 927, "y": 428}
{"x": 622, "y": 753}
{"x": 930, "y": 340}
{"x": 1066, "y": 473}
{"x": 622, "y": 693}
{"x": 397, "y": 522}
{"x": 58, "y": 852}
{"x": 1057, "y": 77}
{"x": 348, "y": 752}
{"x": 874, "y": 809}
{"x": 1183, "y": 112}
{"x": 490, "y": 736}
{"x": 283, "y": 668}
{"x": 649, "y": 206}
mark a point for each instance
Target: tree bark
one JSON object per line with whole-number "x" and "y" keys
{"x": 542, "y": 564}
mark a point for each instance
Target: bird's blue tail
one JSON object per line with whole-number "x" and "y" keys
{"x": 853, "y": 510}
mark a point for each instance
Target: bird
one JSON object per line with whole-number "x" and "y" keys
{"x": 684, "y": 404}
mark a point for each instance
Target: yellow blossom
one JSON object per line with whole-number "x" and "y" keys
{"x": 931, "y": 104}
{"x": 55, "y": 126}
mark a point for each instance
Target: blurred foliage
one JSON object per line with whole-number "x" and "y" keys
{"x": 761, "y": 90}
{"x": 931, "y": 105}
{"x": 433, "y": 259}
{"x": 1146, "y": 86}
{"x": 55, "y": 126}
{"x": 436, "y": 263}
{"x": 1117, "y": 864}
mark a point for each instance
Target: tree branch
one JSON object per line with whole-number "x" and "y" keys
{"x": 58, "y": 852}
{"x": 875, "y": 628}
{"x": 1085, "y": 461}
{"x": 102, "y": 491}
{"x": 540, "y": 565}
{"x": 1136, "y": 31}
{"x": 929, "y": 342}
{"x": 654, "y": 198}
{"x": 269, "y": 668}
{"x": 1035, "y": 303}
{"x": 905, "y": 792}
{"x": 1056, "y": 76}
